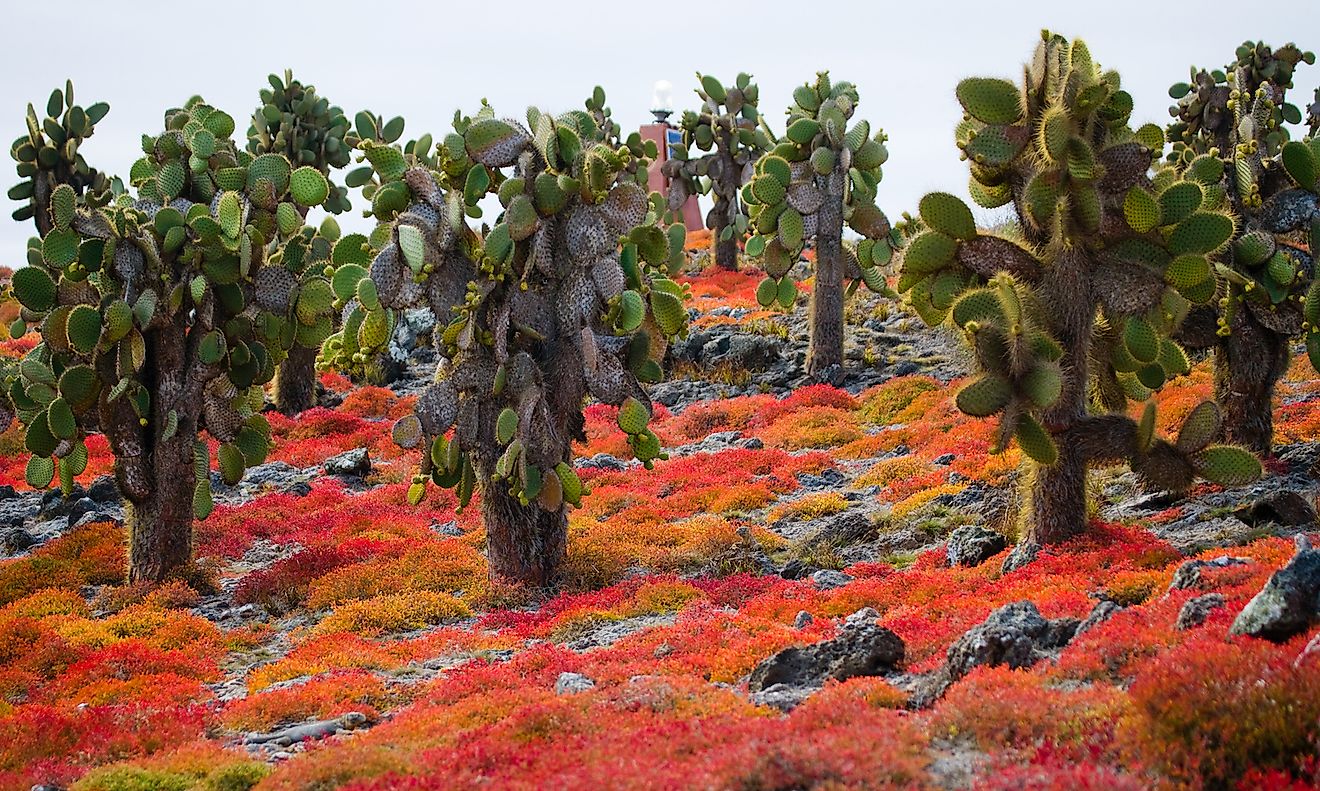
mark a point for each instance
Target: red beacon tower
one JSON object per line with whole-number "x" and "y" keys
{"x": 666, "y": 135}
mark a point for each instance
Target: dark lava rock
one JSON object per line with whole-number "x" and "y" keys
{"x": 1188, "y": 574}
{"x": 829, "y": 579}
{"x": 351, "y": 463}
{"x": 1290, "y": 601}
{"x": 1282, "y": 507}
{"x": 973, "y": 545}
{"x": 860, "y": 649}
{"x": 1100, "y": 613}
{"x": 1022, "y": 554}
{"x": 16, "y": 541}
{"x": 103, "y": 490}
{"x": 1197, "y": 610}
{"x": 1016, "y": 635}
{"x": 8, "y": 492}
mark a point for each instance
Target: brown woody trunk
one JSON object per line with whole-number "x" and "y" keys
{"x": 160, "y": 526}
{"x": 826, "y": 347}
{"x": 524, "y": 543}
{"x": 726, "y": 250}
{"x": 1248, "y": 363}
{"x": 1055, "y": 496}
{"x": 160, "y": 515}
{"x": 295, "y": 382}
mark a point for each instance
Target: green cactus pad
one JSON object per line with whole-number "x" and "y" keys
{"x": 1227, "y": 465}
{"x": 1253, "y": 248}
{"x": 803, "y": 131}
{"x": 989, "y": 100}
{"x": 1300, "y": 164}
{"x": 1035, "y": 441}
{"x": 768, "y": 189}
{"x": 1141, "y": 210}
{"x": 948, "y": 215}
{"x": 786, "y": 293}
{"x": 822, "y": 160}
{"x": 985, "y": 396}
{"x": 1201, "y": 232}
{"x": 271, "y": 168}
{"x": 60, "y": 248}
{"x": 1043, "y": 384}
{"x": 314, "y": 299}
{"x": 79, "y": 385}
{"x": 413, "y": 247}
{"x": 790, "y": 229}
{"x": 929, "y": 251}
{"x": 978, "y": 305}
{"x": 521, "y": 218}
{"x": 668, "y": 311}
{"x": 1179, "y": 201}
{"x": 83, "y": 328}
{"x": 60, "y": 419}
{"x": 505, "y": 426}
{"x": 778, "y": 167}
{"x": 1200, "y": 428}
{"x": 1187, "y": 271}
{"x": 309, "y": 186}
{"x": 767, "y": 291}
{"x": 231, "y": 462}
{"x": 633, "y": 416}
{"x": 40, "y": 471}
{"x": 570, "y": 484}
{"x": 34, "y": 289}
{"x": 62, "y": 204}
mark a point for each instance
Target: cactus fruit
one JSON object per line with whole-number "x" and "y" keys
{"x": 822, "y": 175}
{"x": 1231, "y": 138}
{"x": 727, "y": 128}
{"x": 1080, "y": 300}
{"x": 566, "y": 295}
{"x": 162, "y": 325}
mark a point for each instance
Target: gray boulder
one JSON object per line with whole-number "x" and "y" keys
{"x": 354, "y": 463}
{"x": 860, "y": 649}
{"x": 1290, "y": 601}
{"x": 973, "y": 545}
{"x": 572, "y": 683}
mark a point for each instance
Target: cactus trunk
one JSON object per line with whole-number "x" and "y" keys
{"x": 826, "y": 348}
{"x": 525, "y": 544}
{"x": 295, "y": 382}
{"x": 726, "y": 250}
{"x": 160, "y": 525}
{"x": 1248, "y": 363}
{"x": 160, "y": 515}
{"x": 1055, "y": 495}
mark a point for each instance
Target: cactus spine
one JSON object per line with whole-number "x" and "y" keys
{"x": 312, "y": 133}
{"x": 565, "y": 296}
{"x": 726, "y": 127}
{"x": 161, "y": 317}
{"x": 1231, "y": 133}
{"x": 1080, "y": 301}
{"x": 821, "y": 176}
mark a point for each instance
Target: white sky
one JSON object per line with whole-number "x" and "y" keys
{"x": 423, "y": 61}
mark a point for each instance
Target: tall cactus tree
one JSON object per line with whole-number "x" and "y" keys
{"x": 1231, "y": 133}
{"x": 564, "y": 297}
{"x": 727, "y": 128}
{"x": 821, "y": 176}
{"x": 50, "y": 155}
{"x": 1083, "y": 301}
{"x": 160, "y": 318}
{"x": 308, "y": 131}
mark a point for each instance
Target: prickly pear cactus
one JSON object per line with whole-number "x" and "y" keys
{"x": 360, "y": 349}
{"x": 49, "y": 155}
{"x": 565, "y": 297}
{"x": 822, "y": 175}
{"x": 728, "y": 130}
{"x": 1232, "y": 136}
{"x": 161, "y": 316}
{"x": 310, "y": 132}
{"x": 1076, "y": 304}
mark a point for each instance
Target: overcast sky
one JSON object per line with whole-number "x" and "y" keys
{"x": 424, "y": 61}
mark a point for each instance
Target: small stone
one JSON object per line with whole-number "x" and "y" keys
{"x": 572, "y": 683}
{"x": 8, "y": 492}
{"x": 1197, "y": 610}
{"x": 945, "y": 459}
{"x": 1022, "y": 554}
{"x": 17, "y": 540}
{"x": 1188, "y": 574}
{"x": 803, "y": 620}
{"x": 1101, "y": 612}
{"x": 865, "y": 650}
{"x": 350, "y": 463}
{"x": 663, "y": 650}
{"x": 863, "y": 617}
{"x": 300, "y": 489}
{"x": 829, "y": 579}
{"x": 449, "y": 528}
{"x": 973, "y": 545}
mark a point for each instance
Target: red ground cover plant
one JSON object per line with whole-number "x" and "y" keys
{"x": 110, "y": 686}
